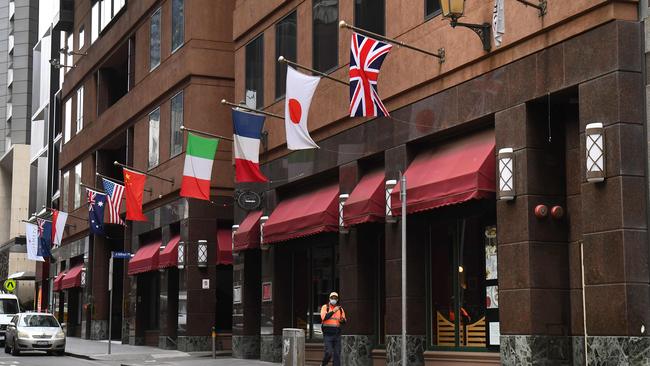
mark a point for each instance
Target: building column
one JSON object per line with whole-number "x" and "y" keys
{"x": 614, "y": 222}
{"x": 201, "y": 303}
{"x": 168, "y": 301}
{"x": 246, "y": 315}
{"x": 397, "y": 159}
{"x": 98, "y": 286}
{"x": 534, "y": 307}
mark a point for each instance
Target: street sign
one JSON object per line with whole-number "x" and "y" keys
{"x": 10, "y": 285}
{"x": 122, "y": 255}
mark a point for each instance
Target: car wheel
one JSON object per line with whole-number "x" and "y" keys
{"x": 60, "y": 353}
{"x": 14, "y": 349}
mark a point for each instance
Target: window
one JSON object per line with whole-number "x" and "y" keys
{"x": 178, "y": 24}
{"x": 285, "y": 45}
{"x": 154, "y": 40}
{"x": 431, "y": 8}
{"x": 255, "y": 72}
{"x": 105, "y": 13}
{"x": 176, "y": 123}
{"x": 77, "y": 186}
{"x": 314, "y": 277}
{"x": 80, "y": 109}
{"x": 370, "y": 15}
{"x": 154, "y": 137}
{"x": 463, "y": 282}
{"x": 69, "y": 47}
{"x": 94, "y": 23}
{"x": 67, "y": 120}
{"x": 325, "y": 32}
{"x": 65, "y": 188}
{"x": 82, "y": 38}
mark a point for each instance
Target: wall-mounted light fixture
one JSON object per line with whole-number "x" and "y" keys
{"x": 506, "y": 174}
{"x": 232, "y": 236}
{"x": 83, "y": 277}
{"x": 595, "y": 151}
{"x": 202, "y": 253}
{"x": 390, "y": 185}
{"x": 181, "y": 255}
{"x": 342, "y": 199}
{"x": 541, "y": 6}
{"x": 454, "y": 9}
{"x": 263, "y": 221}
{"x": 57, "y": 64}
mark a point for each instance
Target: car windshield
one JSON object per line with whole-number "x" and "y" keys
{"x": 8, "y": 306}
{"x": 46, "y": 321}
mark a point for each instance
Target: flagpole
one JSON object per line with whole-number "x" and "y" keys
{"x": 92, "y": 188}
{"x": 118, "y": 181}
{"x": 281, "y": 59}
{"x": 29, "y": 222}
{"x": 244, "y": 107}
{"x": 116, "y": 163}
{"x": 69, "y": 215}
{"x": 183, "y": 128}
{"x": 441, "y": 51}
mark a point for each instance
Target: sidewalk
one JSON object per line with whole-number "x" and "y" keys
{"x": 151, "y": 356}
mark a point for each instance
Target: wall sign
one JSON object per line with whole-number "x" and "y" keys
{"x": 236, "y": 295}
{"x": 205, "y": 283}
{"x": 267, "y": 291}
{"x": 248, "y": 200}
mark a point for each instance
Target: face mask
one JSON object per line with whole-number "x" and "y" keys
{"x": 333, "y": 301}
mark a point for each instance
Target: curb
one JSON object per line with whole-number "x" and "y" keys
{"x": 83, "y": 357}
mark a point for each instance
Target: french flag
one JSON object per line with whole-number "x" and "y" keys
{"x": 247, "y": 129}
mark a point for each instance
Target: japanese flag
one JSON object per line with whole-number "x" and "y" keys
{"x": 300, "y": 90}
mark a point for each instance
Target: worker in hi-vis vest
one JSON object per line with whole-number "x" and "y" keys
{"x": 332, "y": 316}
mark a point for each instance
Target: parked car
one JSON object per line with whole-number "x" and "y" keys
{"x": 35, "y": 332}
{"x": 9, "y": 307}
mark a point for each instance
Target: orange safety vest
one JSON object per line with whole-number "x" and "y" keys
{"x": 335, "y": 320}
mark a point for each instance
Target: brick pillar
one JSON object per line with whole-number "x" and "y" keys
{"x": 397, "y": 159}
{"x": 534, "y": 306}
{"x": 614, "y": 222}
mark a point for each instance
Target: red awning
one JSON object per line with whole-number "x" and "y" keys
{"x": 367, "y": 202}
{"x": 169, "y": 256}
{"x": 57, "y": 281}
{"x": 307, "y": 214}
{"x": 248, "y": 234}
{"x": 450, "y": 174}
{"x": 145, "y": 259}
{"x": 224, "y": 246}
{"x": 72, "y": 278}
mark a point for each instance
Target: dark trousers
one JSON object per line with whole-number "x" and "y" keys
{"x": 332, "y": 349}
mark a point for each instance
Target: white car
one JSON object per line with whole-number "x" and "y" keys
{"x": 9, "y": 307}
{"x": 35, "y": 332}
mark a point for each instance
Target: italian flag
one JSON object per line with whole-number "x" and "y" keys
{"x": 198, "y": 166}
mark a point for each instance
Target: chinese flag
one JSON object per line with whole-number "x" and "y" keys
{"x": 134, "y": 187}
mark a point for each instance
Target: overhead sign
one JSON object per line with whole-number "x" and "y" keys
{"x": 121, "y": 255}
{"x": 10, "y": 285}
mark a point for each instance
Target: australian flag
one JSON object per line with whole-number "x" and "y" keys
{"x": 366, "y": 57}
{"x": 96, "y": 205}
{"x": 44, "y": 238}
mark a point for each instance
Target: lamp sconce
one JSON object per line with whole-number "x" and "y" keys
{"x": 181, "y": 255}
{"x": 454, "y": 9}
{"x": 83, "y": 277}
{"x": 595, "y": 151}
{"x": 390, "y": 185}
{"x": 342, "y": 199}
{"x": 506, "y": 159}
{"x": 541, "y": 6}
{"x": 263, "y": 221}
{"x": 202, "y": 253}
{"x": 232, "y": 236}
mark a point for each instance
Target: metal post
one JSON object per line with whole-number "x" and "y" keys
{"x": 584, "y": 306}
{"x": 214, "y": 343}
{"x": 110, "y": 301}
{"x": 403, "y": 198}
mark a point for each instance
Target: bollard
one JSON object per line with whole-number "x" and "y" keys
{"x": 214, "y": 343}
{"x": 293, "y": 347}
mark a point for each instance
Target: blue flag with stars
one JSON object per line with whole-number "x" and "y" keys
{"x": 44, "y": 238}
{"x": 96, "y": 205}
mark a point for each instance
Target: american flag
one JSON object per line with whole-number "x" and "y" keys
{"x": 366, "y": 57}
{"x": 114, "y": 192}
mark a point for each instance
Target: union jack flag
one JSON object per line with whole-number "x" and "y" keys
{"x": 366, "y": 57}
{"x": 114, "y": 192}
